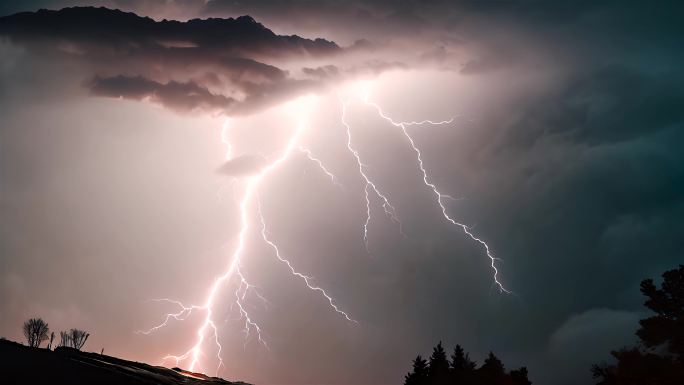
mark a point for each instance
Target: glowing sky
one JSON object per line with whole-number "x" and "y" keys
{"x": 564, "y": 155}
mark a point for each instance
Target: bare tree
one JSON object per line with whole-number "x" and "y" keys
{"x": 52, "y": 339}
{"x": 78, "y": 338}
{"x": 64, "y": 339}
{"x": 35, "y": 331}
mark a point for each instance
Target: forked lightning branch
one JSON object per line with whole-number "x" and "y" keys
{"x": 252, "y": 219}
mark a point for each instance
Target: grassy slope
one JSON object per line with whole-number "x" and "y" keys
{"x": 20, "y": 364}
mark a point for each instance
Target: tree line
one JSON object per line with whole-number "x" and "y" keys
{"x": 36, "y": 332}
{"x": 657, "y": 359}
{"x": 461, "y": 370}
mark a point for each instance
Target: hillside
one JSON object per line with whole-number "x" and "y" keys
{"x": 20, "y": 364}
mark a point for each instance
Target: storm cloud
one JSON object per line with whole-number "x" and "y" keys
{"x": 212, "y": 65}
{"x": 565, "y": 155}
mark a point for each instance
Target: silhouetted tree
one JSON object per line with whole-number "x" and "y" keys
{"x": 78, "y": 338}
{"x": 438, "y": 366}
{"x": 492, "y": 370}
{"x": 519, "y": 377}
{"x": 462, "y": 367}
{"x": 460, "y": 360}
{"x": 667, "y": 326}
{"x": 660, "y": 359}
{"x": 418, "y": 376}
{"x": 635, "y": 367}
{"x": 35, "y": 331}
{"x": 64, "y": 339}
{"x": 461, "y": 370}
{"x": 52, "y": 338}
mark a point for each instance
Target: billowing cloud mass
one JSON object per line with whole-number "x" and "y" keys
{"x": 181, "y": 96}
{"x": 212, "y": 65}
{"x": 564, "y": 154}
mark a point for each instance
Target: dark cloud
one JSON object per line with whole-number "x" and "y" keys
{"x": 602, "y": 329}
{"x": 241, "y": 37}
{"x": 368, "y": 18}
{"x": 213, "y": 64}
{"x": 322, "y": 72}
{"x": 179, "y": 96}
{"x": 593, "y": 178}
{"x": 191, "y": 97}
{"x": 263, "y": 95}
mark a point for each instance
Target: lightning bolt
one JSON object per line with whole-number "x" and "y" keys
{"x": 370, "y": 185}
{"x": 182, "y": 315}
{"x": 208, "y": 327}
{"x": 305, "y": 278}
{"x": 240, "y": 296}
{"x": 250, "y": 198}
{"x": 320, "y": 165}
{"x": 252, "y": 186}
{"x": 438, "y": 195}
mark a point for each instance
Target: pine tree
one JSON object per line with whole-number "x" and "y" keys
{"x": 519, "y": 377}
{"x": 438, "y": 367}
{"x": 460, "y": 360}
{"x": 462, "y": 367}
{"x": 492, "y": 370}
{"x": 419, "y": 374}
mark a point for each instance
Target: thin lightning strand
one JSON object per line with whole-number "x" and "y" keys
{"x": 245, "y": 286}
{"x": 305, "y": 278}
{"x": 320, "y": 165}
{"x": 438, "y": 194}
{"x": 419, "y": 123}
{"x": 389, "y": 209}
{"x": 182, "y": 315}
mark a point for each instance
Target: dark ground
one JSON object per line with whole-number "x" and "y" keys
{"x": 20, "y": 364}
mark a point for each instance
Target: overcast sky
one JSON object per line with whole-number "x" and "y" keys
{"x": 564, "y": 155}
